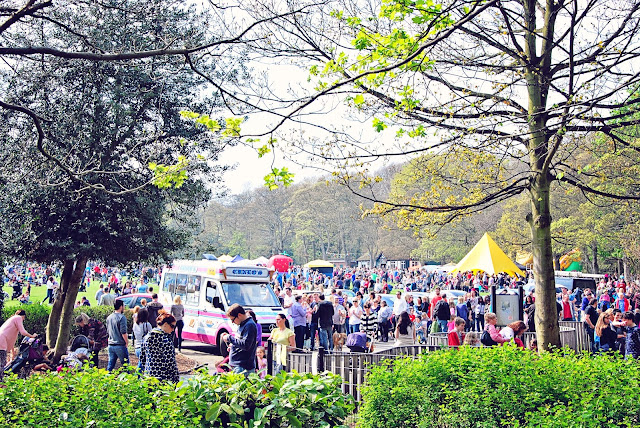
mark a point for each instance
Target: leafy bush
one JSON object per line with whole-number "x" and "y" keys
{"x": 37, "y": 316}
{"x": 502, "y": 387}
{"x": 288, "y": 399}
{"x": 97, "y": 398}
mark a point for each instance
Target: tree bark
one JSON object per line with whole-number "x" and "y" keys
{"x": 625, "y": 268}
{"x": 53, "y": 324}
{"x": 546, "y": 314}
{"x": 594, "y": 250}
{"x": 69, "y": 299}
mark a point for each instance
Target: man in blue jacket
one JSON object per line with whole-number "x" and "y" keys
{"x": 242, "y": 355}
{"x": 299, "y": 316}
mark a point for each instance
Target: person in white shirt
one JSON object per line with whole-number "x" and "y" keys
{"x": 399, "y": 306}
{"x": 355, "y": 313}
{"x": 50, "y": 287}
{"x": 288, "y": 300}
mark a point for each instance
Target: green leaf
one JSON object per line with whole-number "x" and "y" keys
{"x": 237, "y": 408}
{"x": 293, "y": 420}
{"x": 213, "y": 412}
{"x": 379, "y": 125}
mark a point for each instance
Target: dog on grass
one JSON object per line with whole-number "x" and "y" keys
{"x": 338, "y": 341}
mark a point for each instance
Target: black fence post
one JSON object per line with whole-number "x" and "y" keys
{"x": 269, "y": 357}
{"x": 320, "y": 359}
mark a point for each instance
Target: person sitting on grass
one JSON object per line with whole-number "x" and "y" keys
{"x": 46, "y": 364}
{"x": 25, "y": 298}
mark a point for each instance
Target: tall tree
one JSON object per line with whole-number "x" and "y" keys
{"x": 68, "y": 31}
{"x": 116, "y": 122}
{"x": 518, "y": 80}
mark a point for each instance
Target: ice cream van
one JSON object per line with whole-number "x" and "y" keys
{"x": 209, "y": 287}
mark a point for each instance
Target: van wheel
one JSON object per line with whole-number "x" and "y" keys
{"x": 223, "y": 350}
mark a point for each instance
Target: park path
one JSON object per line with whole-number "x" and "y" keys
{"x": 202, "y": 353}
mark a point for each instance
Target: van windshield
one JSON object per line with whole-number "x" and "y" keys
{"x": 250, "y": 294}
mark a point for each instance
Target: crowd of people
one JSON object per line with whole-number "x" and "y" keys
{"x": 318, "y": 305}
{"x": 21, "y": 278}
{"x": 329, "y": 311}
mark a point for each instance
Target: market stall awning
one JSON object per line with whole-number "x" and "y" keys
{"x": 488, "y": 257}
{"x": 318, "y": 264}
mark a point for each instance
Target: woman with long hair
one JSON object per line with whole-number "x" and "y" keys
{"x": 405, "y": 331}
{"x": 605, "y": 337}
{"x": 177, "y": 310}
{"x": 284, "y": 338}
{"x": 514, "y": 331}
{"x": 141, "y": 327}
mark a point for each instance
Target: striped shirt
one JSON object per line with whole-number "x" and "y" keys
{"x": 368, "y": 323}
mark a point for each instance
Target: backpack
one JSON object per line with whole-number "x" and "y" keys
{"x": 486, "y": 339}
{"x": 442, "y": 310}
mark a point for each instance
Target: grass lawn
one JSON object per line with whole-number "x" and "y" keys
{"x": 38, "y": 293}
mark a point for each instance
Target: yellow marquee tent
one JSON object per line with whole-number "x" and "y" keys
{"x": 487, "y": 257}
{"x": 318, "y": 264}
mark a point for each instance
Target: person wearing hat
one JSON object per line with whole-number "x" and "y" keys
{"x": 9, "y": 334}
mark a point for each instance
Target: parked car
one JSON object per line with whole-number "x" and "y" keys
{"x": 133, "y": 300}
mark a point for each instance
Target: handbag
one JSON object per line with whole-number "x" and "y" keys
{"x": 486, "y": 339}
{"x": 435, "y": 327}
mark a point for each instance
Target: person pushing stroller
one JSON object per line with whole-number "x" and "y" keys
{"x": 9, "y": 334}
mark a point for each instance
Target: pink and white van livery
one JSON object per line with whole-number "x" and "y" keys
{"x": 208, "y": 287}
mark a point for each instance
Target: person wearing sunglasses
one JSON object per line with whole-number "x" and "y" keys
{"x": 158, "y": 354}
{"x": 242, "y": 353}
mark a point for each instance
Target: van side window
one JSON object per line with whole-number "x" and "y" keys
{"x": 181, "y": 285}
{"x": 193, "y": 290}
{"x": 169, "y": 283}
{"x": 212, "y": 292}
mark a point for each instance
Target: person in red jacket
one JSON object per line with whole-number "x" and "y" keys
{"x": 456, "y": 336}
{"x": 622, "y": 303}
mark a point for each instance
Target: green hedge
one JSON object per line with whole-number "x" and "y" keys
{"x": 502, "y": 387}
{"x": 95, "y": 398}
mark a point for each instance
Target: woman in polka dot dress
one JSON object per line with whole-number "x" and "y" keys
{"x": 158, "y": 355}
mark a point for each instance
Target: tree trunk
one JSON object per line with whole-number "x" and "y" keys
{"x": 60, "y": 319}
{"x": 53, "y": 325}
{"x": 66, "y": 317}
{"x": 594, "y": 249}
{"x": 620, "y": 268}
{"x": 625, "y": 268}
{"x": 546, "y": 314}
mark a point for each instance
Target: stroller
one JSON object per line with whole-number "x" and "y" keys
{"x": 79, "y": 353}
{"x": 29, "y": 355}
{"x": 358, "y": 342}
{"x": 80, "y": 341}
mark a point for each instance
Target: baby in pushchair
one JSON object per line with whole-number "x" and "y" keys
{"x": 79, "y": 353}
